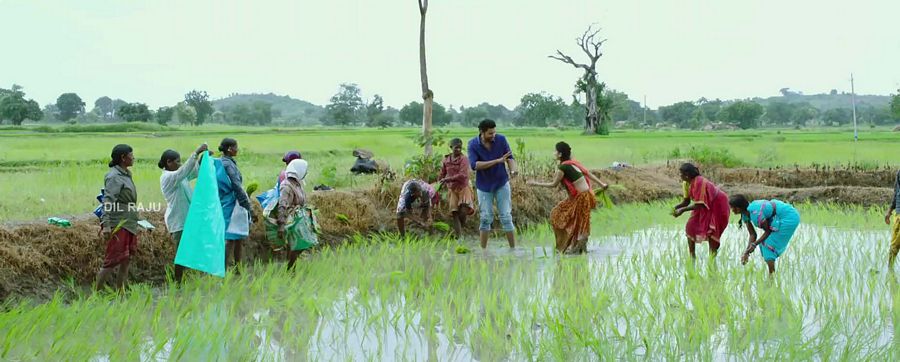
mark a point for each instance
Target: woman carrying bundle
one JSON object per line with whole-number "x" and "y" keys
{"x": 291, "y": 222}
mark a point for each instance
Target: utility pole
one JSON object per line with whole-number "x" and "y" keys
{"x": 853, "y": 99}
{"x": 645, "y": 109}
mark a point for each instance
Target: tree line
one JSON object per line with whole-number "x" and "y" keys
{"x": 348, "y": 108}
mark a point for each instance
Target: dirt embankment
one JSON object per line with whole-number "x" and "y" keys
{"x": 37, "y": 258}
{"x": 861, "y": 187}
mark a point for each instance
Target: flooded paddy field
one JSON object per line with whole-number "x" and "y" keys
{"x": 634, "y": 295}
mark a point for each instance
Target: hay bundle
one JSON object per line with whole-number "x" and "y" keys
{"x": 357, "y": 212}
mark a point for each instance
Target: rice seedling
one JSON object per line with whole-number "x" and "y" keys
{"x": 26, "y": 159}
{"x": 632, "y": 296}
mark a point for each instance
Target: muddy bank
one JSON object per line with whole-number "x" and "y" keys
{"x": 39, "y": 259}
{"x": 867, "y": 188}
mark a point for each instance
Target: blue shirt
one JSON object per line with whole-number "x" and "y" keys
{"x": 491, "y": 179}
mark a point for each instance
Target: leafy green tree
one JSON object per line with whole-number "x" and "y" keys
{"x": 440, "y": 116}
{"x": 803, "y": 113}
{"x": 134, "y": 112}
{"x": 164, "y": 115}
{"x": 576, "y": 113}
{"x": 103, "y": 107}
{"x": 411, "y": 114}
{"x": 680, "y": 114}
{"x": 262, "y": 112}
{"x": 185, "y": 113}
{"x": 623, "y": 108}
{"x": 473, "y": 115}
{"x": 839, "y": 116}
{"x": 874, "y": 115}
{"x": 253, "y": 113}
{"x": 779, "y": 112}
{"x": 375, "y": 116}
{"x": 70, "y": 105}
{"x": 345, "y": 106}
{"x": 199, "y": 100}
{"x": 895, "y": 105}
{"x": 745, "y": 113}
{"x": 15, "y": 108}
{"x": 540, "y": 109}
{"x": 239, "y": 114}
{"x": 375, "y": 107}
{"x": 706, "y": 111}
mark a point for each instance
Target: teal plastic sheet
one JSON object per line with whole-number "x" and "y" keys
{"x": 202, "y": 245}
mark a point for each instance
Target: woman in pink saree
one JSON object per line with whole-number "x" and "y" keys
{"x": 708, "y": 206}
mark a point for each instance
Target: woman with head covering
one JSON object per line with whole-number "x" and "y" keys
{"x": 176, "y": 188}
{"x": 119, "y": 223}
{"x": 288, "y": 157}
{"x": 232, "y": 195}
{"x": 291, "y": 223}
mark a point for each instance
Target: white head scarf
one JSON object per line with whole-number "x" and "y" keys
{"x": 297, "y": 169}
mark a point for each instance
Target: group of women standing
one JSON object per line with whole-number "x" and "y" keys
{"x": 290, "y": 223}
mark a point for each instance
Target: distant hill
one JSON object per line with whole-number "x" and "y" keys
{"x": 828, "y": 101}
{"x": 291, "y": 110}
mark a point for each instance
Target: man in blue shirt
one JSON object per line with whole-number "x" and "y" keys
{"x": 489, "y": 156}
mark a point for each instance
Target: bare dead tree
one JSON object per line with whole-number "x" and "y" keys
{"x": 427, "y": 94}
{"x": 590, "y": 44}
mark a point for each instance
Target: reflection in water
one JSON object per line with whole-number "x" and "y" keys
{"x": 630, "y": 295}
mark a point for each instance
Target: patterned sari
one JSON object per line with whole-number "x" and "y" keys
{"x": 571, "y": 218}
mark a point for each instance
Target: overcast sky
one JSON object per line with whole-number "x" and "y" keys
{"x": 154, "y": 51}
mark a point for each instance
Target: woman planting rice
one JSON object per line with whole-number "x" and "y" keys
{"x": 777, "y": 219}
{"x": 708, "y": 206}
{"x": 176, "y": 188}
{"x": 235, "y": 202}
{"x": 571, "y": 218}
{"x": 119, "y": 224}
{"x": 416, "y": 194}
{"x": 290, "y": 222}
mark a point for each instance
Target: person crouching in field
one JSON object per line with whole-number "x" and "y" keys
{"x": 571, "y": 218}
{"x": 119, "y": 223}
{"x": 709, "y": 210}
{"x": 416, "y": 195}
{"x": 291, "y": 223}
{"x": 895, "y": 230}
{"x": 176, "y": 188}
{"x": 235, "y": 201}
{"x": 455, "y": 175}
{"x": 777, "y": 219}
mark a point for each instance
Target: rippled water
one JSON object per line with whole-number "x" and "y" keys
{"x": 630, "y": 296}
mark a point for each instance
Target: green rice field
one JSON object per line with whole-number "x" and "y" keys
{"x": 59, "y": 173}
{"x": 632, "y": 297}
